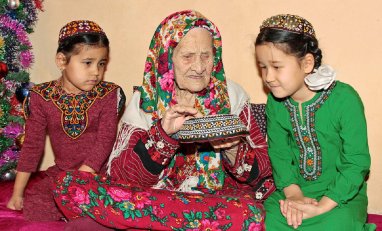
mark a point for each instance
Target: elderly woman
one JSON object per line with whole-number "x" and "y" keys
{"x": 157, "y": 182}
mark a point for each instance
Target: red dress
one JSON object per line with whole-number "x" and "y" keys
{"x": 82, "y": 130}
{"x": 142, "y": 190}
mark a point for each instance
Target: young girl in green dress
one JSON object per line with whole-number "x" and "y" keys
{"x": 317, "y": 133}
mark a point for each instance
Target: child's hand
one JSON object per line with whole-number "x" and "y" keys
{"x": 15, "y": 203}
{"x": 305, "y": 200}
{"x": 314, "y": 209}
{"x": 86, "y": 168}
{"x": 293, "y": 215}
{"x": 17, "y": 200}
{"x": 308, "y": 210}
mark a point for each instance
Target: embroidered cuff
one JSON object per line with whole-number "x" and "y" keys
{"x": 163, "y": 145}
{"x": 264, "y": 189}
{"x": 241, "y": 167}
{"x": 147, "y": 160}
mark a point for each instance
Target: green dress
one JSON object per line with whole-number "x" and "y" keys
{"x": 325, "y": 151}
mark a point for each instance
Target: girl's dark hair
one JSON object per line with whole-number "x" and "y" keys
{"x": 71, "y": 45}
{"x": 291, "y": 43}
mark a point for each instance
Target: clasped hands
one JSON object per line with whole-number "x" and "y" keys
{"x": 295, "y": 210}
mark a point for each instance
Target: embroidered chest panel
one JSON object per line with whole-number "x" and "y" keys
{"x": 74, "y": 108}
{"x": 305, "y": 135}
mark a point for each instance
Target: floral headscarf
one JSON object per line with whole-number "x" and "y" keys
{"x": 157, "y": 90}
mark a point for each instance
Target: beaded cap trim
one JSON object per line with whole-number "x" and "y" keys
{"x": 79, "y": 27}
{"x": 212, "y": 127}
{"x": 292, "y": 23}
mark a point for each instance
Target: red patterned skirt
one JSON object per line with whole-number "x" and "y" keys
{"x": 124, "y": 206}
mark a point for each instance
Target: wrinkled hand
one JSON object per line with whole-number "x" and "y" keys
{"x": 225, "y": 143}
{"x": 293, "y": 215}
{"x": 16, "y": 203}
{"x": 175, "y": 116}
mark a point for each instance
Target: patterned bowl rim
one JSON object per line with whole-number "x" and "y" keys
{"x": 204, "y": 140}
{"x": 214, "y": 118}
{"x": 219, "y": 116}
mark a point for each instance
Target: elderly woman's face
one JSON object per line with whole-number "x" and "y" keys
{"x": 193, "y": 60}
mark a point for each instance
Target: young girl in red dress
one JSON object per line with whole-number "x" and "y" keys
{"x": 79, "y": 112}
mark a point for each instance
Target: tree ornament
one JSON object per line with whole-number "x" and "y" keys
{"x": 13, "y": 4}
{"x": 8, "y": 175}
{"x": 22, "y": 92}
{"x": 3, "y": 70}
{"x": 16, "y": 107}
{"x": 20, "y": 140}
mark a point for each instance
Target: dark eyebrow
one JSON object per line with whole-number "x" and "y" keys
{"x": 91, "y": 59}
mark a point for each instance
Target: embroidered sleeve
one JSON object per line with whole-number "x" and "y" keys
{"x": 252, "y": 165}
{"x": 161, "y": 145}
{"x": 144, "y": 156}
{"x": 35, "y": 132}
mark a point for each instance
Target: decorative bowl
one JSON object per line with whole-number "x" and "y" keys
{"x": 211, "y": 127}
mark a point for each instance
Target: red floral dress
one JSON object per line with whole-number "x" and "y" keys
{"x": 81, "y": 129}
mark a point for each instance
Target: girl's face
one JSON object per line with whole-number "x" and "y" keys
{"x": 193, "y": 60}
{"x": 284, "y": 74}
{"x": 84, "y": 70}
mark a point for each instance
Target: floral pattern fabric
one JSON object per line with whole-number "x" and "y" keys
{"x": 157, "y": 90}
{"x": 116, "y": 205}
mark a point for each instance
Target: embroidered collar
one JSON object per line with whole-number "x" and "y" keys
{"x": 304, "y": 132}
{"x": 74, "y": 108}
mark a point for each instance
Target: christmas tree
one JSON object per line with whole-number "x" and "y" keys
{"x": 17, "y": 19}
